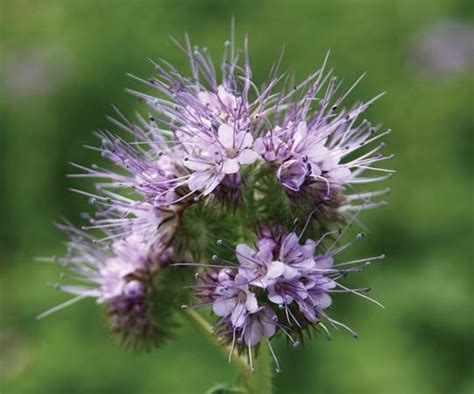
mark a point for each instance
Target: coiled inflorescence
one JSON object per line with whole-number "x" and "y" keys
{"x": 221, "y": 158}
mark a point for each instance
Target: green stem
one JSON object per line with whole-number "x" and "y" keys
{"x": 260, "y": 381}
{"x": 205, "y": 328}
{"x": 257, "y": 382}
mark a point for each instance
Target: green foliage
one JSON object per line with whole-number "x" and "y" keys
{"x": 223, "y": 389}
{"x": 266, "y": 199}
{"x": 201, "y": 226}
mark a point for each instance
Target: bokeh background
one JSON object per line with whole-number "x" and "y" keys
{"x": 63, "y": 63}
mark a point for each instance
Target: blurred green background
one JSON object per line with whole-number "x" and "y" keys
{"x": 63, "y": 64}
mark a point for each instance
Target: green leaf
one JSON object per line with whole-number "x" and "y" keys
{"x": 223, "y": 389}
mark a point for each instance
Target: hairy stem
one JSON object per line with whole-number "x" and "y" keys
{"x": 260, "y": 381}
{"x": 205, "y": 328}
{"x": 257, "y": 382}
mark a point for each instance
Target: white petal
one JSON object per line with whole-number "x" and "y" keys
{"x": 275, "y": 298}
{"x": 248, "y": 140}
{"x": 315, "y": 169}
{"x": 324, "y": 261}
{"x": 340, "y": 174}
{"x": 290, "y": 272}
{"x": 317, "y": 153}
{"x": 196, "y": 164}
{"x": 301, "y": 132}
{"x": 259, "y": 146}
{"x": 198, "y": 180}
{"x": 238, "y": 315}
{"x": 251, "y": 303}
{"x": 268, "y": 326}
{"x": 226, "y": 136}
{"x": 322, "y": 300}
{"x": 247, "y": 156}
{"x": 275, "y": 269}
{"x": 213, "y": 182}
{"x": 245, "y": 255}
{"x": 228, "y": 99}
{"x": 206, "y": 98}
{"x": 224, "y": 306}
{"x": 231, "y": 166}
{"x": 328, "y": 164}
{"x": 253, "y": 333}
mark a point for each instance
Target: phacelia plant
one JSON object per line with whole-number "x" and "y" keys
{"x": 229, "y": 196}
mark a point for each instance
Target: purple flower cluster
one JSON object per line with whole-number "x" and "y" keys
{"x": 119, "y": 275}
{"x": 281, "y": 286}
{"x": 210, "y": 141}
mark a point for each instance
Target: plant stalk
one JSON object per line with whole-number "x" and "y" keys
{"x": 258, "y": 381}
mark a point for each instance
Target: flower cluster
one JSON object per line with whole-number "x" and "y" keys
{"x": 220, "y": 157}
{"x": 120, "y": 276}
{"x": 282, "y": 285}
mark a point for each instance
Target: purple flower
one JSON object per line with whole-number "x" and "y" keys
{"x": 217, "y": 156}
{"x": 119, "y": 276}
{"x": 258, "y": 268}
{"x": 292, "y": 281}
{"x": 293, "y": 173}
{"x": 262, "y": 323}
{"x": 208, "y": 161}
{"x": 233, "y": 299}
{"x": 297, "y": 258}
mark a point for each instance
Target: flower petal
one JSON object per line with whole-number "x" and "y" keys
{"x": 340, "y": 174}
{"x": 245, "y": 255}
{"x": 247, "y": 156}
{"x": 247, "y": 141}
{"x": 231, "y": 166}
{"x": 238, "y": 315}
{"x": 251, "y": 303}
{"x": 275, "y": 269}
{"x": 253, "y": 333}
{"x": 324, "y": 261}
{"x": 196, "y": 164}
{"x": 224, "y": 306}
{"x": 198, "y": 180}
{"x": 321, "y": 300}
{"x": 226, "y": 136}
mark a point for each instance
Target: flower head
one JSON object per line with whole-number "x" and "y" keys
{"x": 120, "y": 277}
{"x": 219, "y": 155}
{"x": 283, "y": 286}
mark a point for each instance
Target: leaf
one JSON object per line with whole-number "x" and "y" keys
{"x": 223, "y": 389}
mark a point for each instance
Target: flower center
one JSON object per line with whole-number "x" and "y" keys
{"x": 232, "y": 153}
